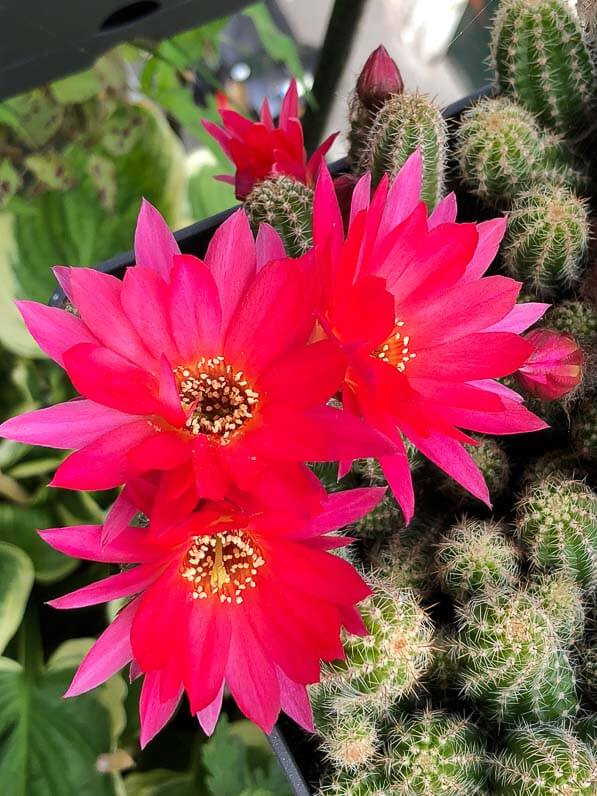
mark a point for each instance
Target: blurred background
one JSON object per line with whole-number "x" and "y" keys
{"x": 76, "y": 155}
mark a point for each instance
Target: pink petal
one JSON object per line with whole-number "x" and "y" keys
{"x": 219, "y": 135}
{"x": 361, "y": 196}
{"x": 490, "y": 237}
{"x": 154, "y": 713}
{"x": 155, "y": 245}
{"x": 295, "y": 702}
{"x": 208, "y": 717}
{"x": 328, "y": 228}
{"x": 232, "y": 261}
{"x": 206, "y": 654}
{"x": 195, "y": 312}
{"x": 102, "y": 464}
{"x": 268, "y": 246}
{"x": 520, "y": 318}
{"x": 132, "y": 581}
{"x": 344, "y": 508}
{"x": 445, "y": 211}
{"x": 397, "y": 472}
{"x": 73, "y": 424}
{"x": 498, "y": 389}
{"x": 289, "y": 108}
{"x": 108, "y": 655}
{"x": 85, "y": 541}
{"x": 54, "y": 330}
{"x": 168, "y": 395}
{"x": 163, "y": 450}
{"x": 119, "y": 515}
{"x": 404, "y": 194}
{"x": 145, "y": 302}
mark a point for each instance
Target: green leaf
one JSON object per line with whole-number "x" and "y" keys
{"x": 34, "y": 118}
{"x": 122, "y": 131}
{"x": 160, "y": 782}
{"x": 51, "y": 169}
{"x": 278, "y": 45}
{"x": 49, "y": 746}
{"x": 10, "y": 182}
{"x": 207, "y": 195}
{"x": 111, "y": 72}
{"x": 102, "y": 173}
{"x": 16, "y": 580}
{"x": 19, "y": 525}
{"x": 76, "y": 88}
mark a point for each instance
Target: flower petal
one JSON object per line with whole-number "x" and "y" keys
{"x": 85, "y": 541}
{"x": 208, "y": 717}
{"x": 195, "y": 312}
{"x": 53, "y": 329}
{"x": 132, "y": 581}
{"x": 154, "y": 713}
{"x": 294, "y": 701}
{"x": 155, "y": 245}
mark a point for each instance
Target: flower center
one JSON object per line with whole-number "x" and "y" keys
{"x": 223, "y": 565}
{"x": 394, "y": 349}
{"x": 220, "y": 397}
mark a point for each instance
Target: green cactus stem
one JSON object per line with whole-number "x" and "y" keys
{"x": 541, "y": 58}
{"x": 562, "y": 600}
{"x": 350, "y": 739}
{"x": 584, "y": 429}
{"x": 287, "y": 205}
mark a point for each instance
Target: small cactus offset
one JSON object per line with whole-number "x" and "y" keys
{"x": 350, "y": 739}
{"x": 475, "y": 557}
{"x": 386, "y": 665}
{"x": 588, "y": 668}
{"x": 555, "y": 464}
{"x": 364, "y": 783}
{"x": 511, "y": 662}
{"x": 405, "y": 559}
{"x": 547, "y": 239}
{"x": 385, "y": 519}
{"x": 557, "y": 520}
{"x": 407, "y": 122}
{"x": 545, "y": 761}
{"x": 540, "y": 57}
{"x": 500, "y": 150}
{"x": 562, "y": 601}
{"x": 432, "y": 752}
{"x": 575, "y": 317}
{"x": 584, "y": 429}
{"x": 287, "y": 205}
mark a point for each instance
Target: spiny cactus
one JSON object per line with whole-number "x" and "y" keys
{"x": 500, "y": 150}
{"x": 512, "y": 665}
{"x": 584, "y": 429}
{"x": 555, "y": 464}
{"x": 364, "y": 783}
{"x": 545, "y": 761}
{"x": 389, "y": 663}
{"x": 385, "y": 519}
{"x": 349, "y": 739}
{"x": 491, "y": 458}
{"x": 287, "y": 205}
{"x": 586, "y": 729}
{"x": 442, "y": 674}
{"x": 406, "y": 122}
{"x": 405, "y": 559}
{"x": 476, "y": 557}
{"x": 433, "y": 753}
{"x": 588, "y": 667}
{"x": 575, "y": 317}
{"x": 540, "y": 57}
{"x": 547, "y": 239}
{"x": 557, "y": 520}
{"x": 562, "y": 601}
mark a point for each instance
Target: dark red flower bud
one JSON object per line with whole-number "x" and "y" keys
{"x": 554, "y": 368}
{"x": 379, "y": 79}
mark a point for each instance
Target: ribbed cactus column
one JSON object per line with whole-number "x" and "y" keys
{"x": 406, "y": 122}
{"x": 287, "y": 205}
{"x": 557, "y": 520}
{"x": 562, "y": 600}
{"x": 545, "y": 761}
{"x": 511, "y": 660}
{"x": 547, "y": 239}
{"x": 540, "y": 57}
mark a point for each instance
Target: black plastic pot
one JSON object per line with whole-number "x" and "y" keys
{"x": 296, "y": 751}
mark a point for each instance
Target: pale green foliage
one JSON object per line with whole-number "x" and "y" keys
{"x": 16, "y": 580}
{"x": 557, "y": 520}
{"x": 547, "y": 239}
{"x": 476, "y": 557}
{"x": 407, "y": 122}
{"x": 541, "y": 58}
{"x": 545, "y": 761}
{"x": 287, "y": 205}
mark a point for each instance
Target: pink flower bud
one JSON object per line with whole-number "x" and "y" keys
{"x": 379, "y": 78}
{"x": 554, "y": 368}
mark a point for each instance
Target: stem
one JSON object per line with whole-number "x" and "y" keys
{"x": 340, "y": 33}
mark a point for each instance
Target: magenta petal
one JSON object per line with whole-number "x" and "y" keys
{"x": 404, "y": 194}
{"x": 344, "y": 508}
{"x": 268, "y": 246}
{"x": 445, "y": 211}
{"x": 361, "y": 196}
{"x": 85, "y": 541}
{"x": 168, "y": 395}
{"x": 145, "y": 301}
{"x": 328, "y": 228}
{"x": 155, "y": 245}
{"x": 69, "y": 425}
{"x": 232, "y": 261}
{"x": 208, "y": 717}
{"x": 54, "y": 330}
{"x": 108, "y": 655}
{"x": 295, "y": 702}
{"x": 397, "y": 471}
{"x": 520, "y": 317}
{"x": 195, "y": 312}
{"x": 490, "y": 236}
{"x": 154, "y": 713}
{"x": 132, "y": 581}
{"x": 119, "y": 515}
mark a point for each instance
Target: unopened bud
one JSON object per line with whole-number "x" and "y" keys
{"x": 554, "y": 368}
{"x": 379, "y": 79}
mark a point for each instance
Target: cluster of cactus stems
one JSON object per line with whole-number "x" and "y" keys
{"x": 479, "y": 673}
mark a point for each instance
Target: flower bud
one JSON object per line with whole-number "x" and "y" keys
{"x": 554, "y": 368}
{"x": 379, "y": 79}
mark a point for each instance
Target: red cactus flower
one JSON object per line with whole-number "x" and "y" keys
{"x": 260, "y": 149}
{"x": 227, "y": 597}
{"x": 555, "y": 366}
{"x": 379, "y": 79}
{"x": 198, "y": 372}
{"x": 426, "y": 333}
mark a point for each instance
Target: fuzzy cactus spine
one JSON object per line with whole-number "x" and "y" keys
{"x": 540, "y": 57}
{"x": 562, "y": 601}
{"x": 407, "y": 122}
{"x": 349, "y": 739}
{"x": 547, "y": 239}
{"x": 287, "y": 205}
